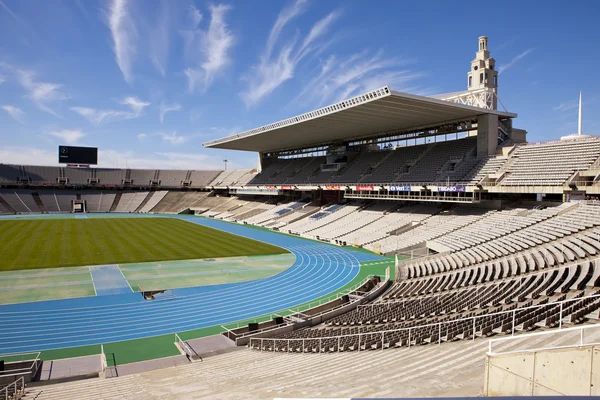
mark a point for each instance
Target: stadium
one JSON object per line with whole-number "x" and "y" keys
{"x": 391, "y": 245}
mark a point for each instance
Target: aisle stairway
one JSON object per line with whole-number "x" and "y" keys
{"x": 452, "y": 369}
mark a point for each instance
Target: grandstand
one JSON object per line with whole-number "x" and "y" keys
{"x": 490, "y": 235}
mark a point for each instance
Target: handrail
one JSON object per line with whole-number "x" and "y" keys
{"x": 22, "y": 371}
{"x": 14, "y": 390}
{"x": 438, "y": 324}
{"x": 581, "y": 329}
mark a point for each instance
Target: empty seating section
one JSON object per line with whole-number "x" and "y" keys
{"x": 427, "y": 168}
{"x": 272, "y": 213}
{"x": 175, "y": 202}
{"x": 320, "y": 219}
{"x": 40, "y": 174}
{"x": 202, "y": 178}
{"x": 429, "y": 223}
{"x": 234, "y": 177}
{"x": 57, "y": 201}
{"x": 153, "y": 201}
{"x": 364, "y": 162}
{"x": 142, "y": 177}
{"x": 171, "y": 178}
{"x": 20, "y": 201}
{"x": 550, "y": 163}
{"x": 130, "y": 201}
{"x": 78, "y": 176}
{"x": 110, "y": 177}
{"x": 10, "y": 173}
{"x": 484, "y": 167}
{"x": 555, "y": 257}
{"x": 394, "y": 164}
{"x": 363, "y": 216}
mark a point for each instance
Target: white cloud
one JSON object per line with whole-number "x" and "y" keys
{"x": 41, "y": 93}
{"x": 340, "y": 79}
{"x": 69, "y": 136}
{"x": 165, "y": 108}
{"x": 512, "y": 62}
{"x": 279, "y": 65}
{"x": 173, "y": 138}
{"x": 123, "y": 34}
{"x": 27, "y": 155}
{"x": 213, "y": 45}
{"x": 98, "y": 117}
{"x": 195, "y": 16}
{"x": 159, "y": 33}
{"x": 1, "y": 79}
{"x": 109, "y": 158}
{"x": 14, "y": 112}
{"x": 141, "y": 137}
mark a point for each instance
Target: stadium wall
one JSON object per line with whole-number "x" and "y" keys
{"x": 572, "y": 371}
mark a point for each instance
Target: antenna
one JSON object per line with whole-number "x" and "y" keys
{"x": 579, "y": 121}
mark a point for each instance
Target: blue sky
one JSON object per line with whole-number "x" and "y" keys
{"x": 148, "y": 81}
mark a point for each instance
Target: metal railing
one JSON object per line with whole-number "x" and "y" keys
{"x": 32, "y": 369}
{"x": 13, "y": 391}
{"x": 412, "y": 329}
{"x": 581, "y": 340}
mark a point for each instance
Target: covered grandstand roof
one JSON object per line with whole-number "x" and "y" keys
{"x": 370, "y": 114}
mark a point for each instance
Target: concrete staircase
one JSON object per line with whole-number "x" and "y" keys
{"x": 451, "y": 369}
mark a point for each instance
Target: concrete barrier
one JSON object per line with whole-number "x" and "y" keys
{"x": 572, "y": 371}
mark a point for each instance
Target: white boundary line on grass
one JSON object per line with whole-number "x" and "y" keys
{"x": 123, "y": 275}
{"x": 92, "y": 278}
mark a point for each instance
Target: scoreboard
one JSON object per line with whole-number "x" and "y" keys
{"x": 77, "y": 155}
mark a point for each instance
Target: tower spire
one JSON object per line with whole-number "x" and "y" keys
{"x": 579, "y": 120}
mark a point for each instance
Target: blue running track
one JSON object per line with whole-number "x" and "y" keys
{"x": 319, "y": 269}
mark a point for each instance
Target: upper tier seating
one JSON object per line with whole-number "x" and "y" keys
{"x": 202, "y": 178}
{"x": 142, "y": 177}
{"x": 551, "y": 163}
{"x": 171, "y": 177}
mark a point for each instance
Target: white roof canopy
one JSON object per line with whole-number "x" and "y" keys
{"x": 360, "y": 117}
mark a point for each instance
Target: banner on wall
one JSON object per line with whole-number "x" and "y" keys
{"x": 287, "y": 187}
{"x": 451, "y": 188}
{"x": 400, "y": 189}
{"x": 257, "y": 191}
{"x": 365, "y": 187}
{"x": 332, "y": 187}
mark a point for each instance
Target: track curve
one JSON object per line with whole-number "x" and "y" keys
{"x": 318, "y": 270}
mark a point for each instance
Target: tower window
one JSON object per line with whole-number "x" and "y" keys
{"x": 470, "y": 81}
{"x": 495, "y": 80}
{"x": 481, "y": 78}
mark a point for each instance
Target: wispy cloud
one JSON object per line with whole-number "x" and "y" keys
{"x": 68, "y": 136}
{"x": 12, "y": 14}
{"x": 1, "y": 80}
{"x": 213, "y": 44}
{"x": 567, "y": 105}
{"x": 41, "y": 93}
{"x": 15, "y": 112}
{"x": 339, "y": 79}
{"x": 159, "y": 43}
{"x": 165, "y": 108}
{"x": 278, "y": 63}
{"x": 141, "y": 137}
{"x": 173, "y": 138}
{"x": 515, "y": 60}
{"x": 123, "y": 34}
{"x": 98, "y": 117}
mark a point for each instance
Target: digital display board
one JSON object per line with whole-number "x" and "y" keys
{"x": 77, "y": 155}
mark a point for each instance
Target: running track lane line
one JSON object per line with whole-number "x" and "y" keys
{"x": 318, "y": 270}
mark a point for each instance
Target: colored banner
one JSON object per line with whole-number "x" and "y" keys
{"x": 366, "y": 187}
{"x": 451, "y": 189}
{"x": 287, "y": 187}
{"x": 400, "y": 189}
{"x": 332, "y": 187}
